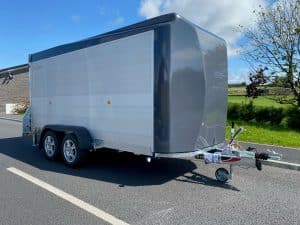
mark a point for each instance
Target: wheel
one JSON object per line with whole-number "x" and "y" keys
{"x": 50, "y": 145}
{"x": 222, "y": 175}
{"x": 73, "y": 156}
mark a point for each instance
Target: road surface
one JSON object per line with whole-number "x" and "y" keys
{"x": 123, "y": 186}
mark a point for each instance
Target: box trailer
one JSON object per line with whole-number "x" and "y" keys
{"x": 157, "y": 88}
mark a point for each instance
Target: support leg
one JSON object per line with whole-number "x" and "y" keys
{"x": 230, "y": 171}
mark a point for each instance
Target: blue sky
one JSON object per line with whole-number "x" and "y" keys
{"x": 32, "y": 25}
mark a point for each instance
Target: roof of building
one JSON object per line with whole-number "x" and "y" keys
{"x": 14, "y": 70}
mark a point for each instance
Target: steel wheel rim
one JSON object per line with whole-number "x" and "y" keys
{"x": 222, "y": 175}
{"x": 70, "y": 151}
{"x": 49, "y": 146}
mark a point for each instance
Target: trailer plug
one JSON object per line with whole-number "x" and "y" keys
{"x": 258, "y": 164}
{"x": 259, "y": 157}
{"x": 262, "y": 155}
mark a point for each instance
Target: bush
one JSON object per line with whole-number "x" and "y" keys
{"x": 293, "y": 118}
{"x": 22, "y": 106}
{"x": 276, "y": 115}
{"x": 262, "y": 114}
{"x": 233, "y": 111}
{"x": 247, "y": 112}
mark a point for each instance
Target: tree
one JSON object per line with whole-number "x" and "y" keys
{"x": 273, "y": 41}
{"x": 280, "y": 81}
{"x": 256, "y": 79}
{"x": 298, "y": 33}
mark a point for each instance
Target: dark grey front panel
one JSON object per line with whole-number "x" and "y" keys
{"x": 212, "y": 130}
{"x": 197, "y": 94}
{"x": 187, "y": 87}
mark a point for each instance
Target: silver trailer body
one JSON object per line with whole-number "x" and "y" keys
{"x": 159, "y": 86}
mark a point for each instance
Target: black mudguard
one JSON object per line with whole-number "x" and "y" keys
{"x": 83, "y": 136}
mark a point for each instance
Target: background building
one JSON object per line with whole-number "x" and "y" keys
{"x": 13, "y": 85}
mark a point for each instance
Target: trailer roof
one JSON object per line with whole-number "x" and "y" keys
{"x": 106, "y": 37}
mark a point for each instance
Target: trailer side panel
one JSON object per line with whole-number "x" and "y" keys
{"x": 107, "y": 88}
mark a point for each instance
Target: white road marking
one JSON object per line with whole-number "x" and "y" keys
{"x": 283, "y": 162}
{"x": 273, "y": 146}
{"x": 70, "y": 198}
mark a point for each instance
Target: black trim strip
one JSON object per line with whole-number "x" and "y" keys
{"x": 106, "y": 37}
{"x": 162, "y": 51}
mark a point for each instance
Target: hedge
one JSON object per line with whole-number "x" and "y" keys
{"x": 289, "y": 118}
{"x": 293, "y": 118}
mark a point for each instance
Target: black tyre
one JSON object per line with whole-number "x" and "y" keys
{"x": 50, "y": 145}
{"x": 222, "y": 175}
{"x": 73, "y": 156}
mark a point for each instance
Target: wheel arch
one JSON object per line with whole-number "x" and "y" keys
{"x": 83, "y": 136}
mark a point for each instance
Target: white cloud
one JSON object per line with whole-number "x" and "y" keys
{"x": 233, "y": 51}
{"x": 219, "y": 17}
{"x": 238, "y": 76}
{"x": 150, "y": 8}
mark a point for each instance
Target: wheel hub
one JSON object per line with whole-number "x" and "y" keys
{"x": 69, "y": 150}
{"x": 222, "y": 174}
{"x": 49, "y": 145}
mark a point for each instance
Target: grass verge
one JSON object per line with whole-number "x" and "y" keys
{"x": 265, "y": 134}
{"x": 262, "y": 101}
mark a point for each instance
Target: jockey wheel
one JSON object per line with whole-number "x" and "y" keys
{"x": 222, "y": 175}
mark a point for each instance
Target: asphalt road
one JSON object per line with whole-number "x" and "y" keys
{"x": 168, "y": 192}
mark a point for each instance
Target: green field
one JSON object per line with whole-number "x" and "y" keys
{"x": 241, "y": 90}
{"x": 237, "y": 94}
{"x": 263, "y": 101}
{"x": 266, "y": 135}
{"x": 262, "y": 133}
